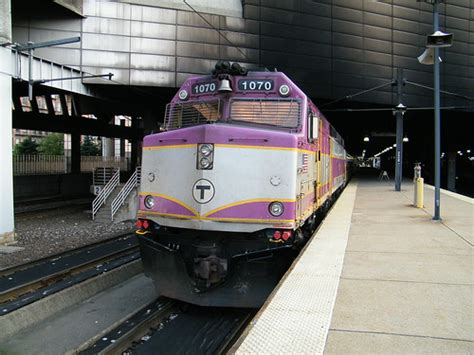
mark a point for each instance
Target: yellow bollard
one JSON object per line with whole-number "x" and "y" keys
{"x": 419, "y": 192}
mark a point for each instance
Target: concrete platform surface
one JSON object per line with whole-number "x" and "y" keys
{"x": 407, "y": 282}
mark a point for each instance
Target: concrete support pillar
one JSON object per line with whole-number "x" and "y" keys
{"x": 5, "y": 22}
{"x": 136, "y": 147}
{"x": 7, "y": 225}
{"x": 452, "y": 171}
{"x": 75, "y": 153}
{"x": 108, "y": 148}
{"x": 122, "y": 141}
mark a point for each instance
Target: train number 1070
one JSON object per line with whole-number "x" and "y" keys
{"x": 255, "y": 85}
{"x": 202, "y": 88}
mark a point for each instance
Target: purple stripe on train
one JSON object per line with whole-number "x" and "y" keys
{"x": 222, "y": 134}
{"x": 163, "y": 205}
{"x": 255, "y": 210}
{"x": 252, "y": 210}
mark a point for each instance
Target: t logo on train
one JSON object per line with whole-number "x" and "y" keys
{"x": 232, "y": 188}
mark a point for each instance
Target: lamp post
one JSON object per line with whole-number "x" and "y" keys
{"x": 434, "y": 42}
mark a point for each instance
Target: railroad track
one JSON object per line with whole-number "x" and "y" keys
{"x": 27, "y": 283}
{"x": 170, "y": 327}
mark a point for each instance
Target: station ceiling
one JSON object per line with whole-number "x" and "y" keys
{"x": 330, "y": 48}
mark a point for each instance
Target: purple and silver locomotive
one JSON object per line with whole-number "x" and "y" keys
{"x": 231, "y": 189}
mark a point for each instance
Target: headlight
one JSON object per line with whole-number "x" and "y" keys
{"x": 276, "y": 209}
{"x": 204, "y": 163}
{"x": 205, "y": 156}
{"x": 205, "y": 149}
{"x": 149, "y": 202}
{"x": 183, "y": 95}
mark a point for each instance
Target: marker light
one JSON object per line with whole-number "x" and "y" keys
{"x": 183, "y": 95}
{"x": 277, "y": 235}
{"x": 284, "y": 90}
{"x": 138, "y": 224}
{"x": 286, "y": 235}
{"x": 276, "y": 208}
{"x": 149, "y": 202}
{"x": 145, "y": 224}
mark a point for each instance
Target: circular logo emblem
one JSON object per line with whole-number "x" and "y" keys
{"x": 203, "y": 191}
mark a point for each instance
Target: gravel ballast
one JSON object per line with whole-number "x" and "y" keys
{"x": 44, "y": 233}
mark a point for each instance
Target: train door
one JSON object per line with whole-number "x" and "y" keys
{"x": 331, "y": 150}
{"x": 317, "y": 181}
{"x": 313, "y": 138}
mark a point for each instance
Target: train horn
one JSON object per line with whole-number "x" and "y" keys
{"x": 237, "y": 69}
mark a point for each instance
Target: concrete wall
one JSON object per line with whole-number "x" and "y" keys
{"x": 5, "y": 22}
{"x": 330, "y": 47}
{"x": 129, "y": 210}
{"x": 64, "y": 185}
{"x": 6, "y": 167}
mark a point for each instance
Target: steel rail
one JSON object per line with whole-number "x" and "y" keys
{"x": 119, "y": 338}
{"x": 18, "y": 267}
{"x": 69, "y": 281}
{"x": 23, "y": 279}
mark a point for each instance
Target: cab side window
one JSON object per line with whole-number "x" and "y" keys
{"x": 313, "y": 127}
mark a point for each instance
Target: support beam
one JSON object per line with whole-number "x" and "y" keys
{"x": 399, "y": 140}
{"x": 34, "y": 105}
{"x": 108, "y": 147}
{"x": 437, "y": 121}
{"x": 122, "y": 141}
{"x": 49, "y": 104}
{"x": 51, "y": 123}
{"x": 7, "y": 225}
{"x": 452, "y": 155}
{"x": 136, "y": 144}
{"x": 62, "y": 98}
{"x": 75, "y": 153}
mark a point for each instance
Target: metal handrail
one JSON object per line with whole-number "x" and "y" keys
{"x": 105, "y": 192}
{"x": 119, "y": 200}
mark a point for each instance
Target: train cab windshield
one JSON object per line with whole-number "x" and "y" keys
{"x": 274, "y": 112}
{"x": 271, "y": 112}
{"x": 192, "y": 113}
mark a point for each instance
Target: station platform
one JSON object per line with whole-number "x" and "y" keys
{"x": 379, "y": 276}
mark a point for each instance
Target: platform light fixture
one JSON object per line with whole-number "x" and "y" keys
{"x": 405, "y": 139}
{"x": 366, "y": 139}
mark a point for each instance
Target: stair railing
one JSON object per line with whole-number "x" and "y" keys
{"x": 105, "y": 192}
{"x": 101, "y": 175}
{"x": 119, "y": 200}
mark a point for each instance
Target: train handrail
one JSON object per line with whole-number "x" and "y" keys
{"x": 105, "y": 192}
{"x": 119, "y": 200}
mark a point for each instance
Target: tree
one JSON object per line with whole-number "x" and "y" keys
{"x": 89, "y": 147}
{"x": 26, "y": 147}
{"x": 52, "y": 144}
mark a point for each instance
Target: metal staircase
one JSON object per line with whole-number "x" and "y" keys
{"x": 121, "y": 197}
{"x": 105, "y": 192}
{"x": 114, "y": 196}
